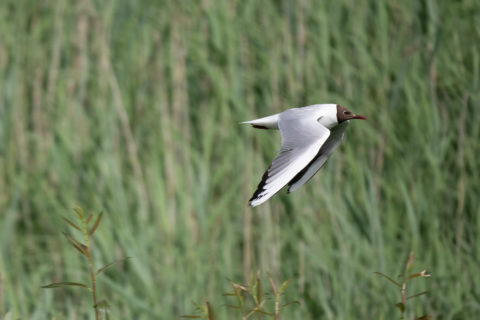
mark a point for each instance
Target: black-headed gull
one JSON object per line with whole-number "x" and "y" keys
{"x": 309, "y": 135}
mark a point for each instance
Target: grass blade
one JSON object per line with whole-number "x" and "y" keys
{"x": 388, "y": 278}
{"x": 79, "y": 212}
{"x": 289, "y": 303}
{"x": 72, "y": 224}
{"x": 110, "y": 265}
{"x": 64, "y": 284}
{"x": 283, "y": 286}
{"x": 264, "y": 312}
{"x": 77, "y": 245}
{"x": 89, "y": 218}
{"x": 417, "y": 295}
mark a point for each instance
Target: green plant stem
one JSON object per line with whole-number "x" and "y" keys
{"x": 408, "y": 266}
{"x": 404, "y": 289}
{"x": 277, "y": 309}
{"x": 244, "y": 317}
{"x": 276, "y": 294}
{"x": 94, "y": 283}
{"x": 90, "y": 267}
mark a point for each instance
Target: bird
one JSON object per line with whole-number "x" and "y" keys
{"x": 309, "y": 135}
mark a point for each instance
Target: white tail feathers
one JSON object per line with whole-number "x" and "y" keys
{"x": 270, "y": 122}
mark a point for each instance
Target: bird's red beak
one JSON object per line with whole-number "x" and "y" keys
{"x": 359, "y": 117}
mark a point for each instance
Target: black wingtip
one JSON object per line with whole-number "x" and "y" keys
{"x": 256, "y": 126}
{"x": 260, "y": 188}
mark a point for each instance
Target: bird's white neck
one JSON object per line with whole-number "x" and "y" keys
{"x": 327, "y": 115}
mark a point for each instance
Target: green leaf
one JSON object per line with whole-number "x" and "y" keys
{"x": 283, "y": 286}
{"x": 417, "y": 295}
{"x": 64, "y": 284}
{"x": 89, "y": 218}
{"x": 289, "y": 303}
{"x": 95, "y": 225}
{"x": 425, "y": 317}
{"x": 205, "y": 309}
{"x": 238, "y": 286}
{"x": 210, "y": 313}
{"x": 79, "y": 212}
{"x": 79, "y": 246}
{"x": 110, "y": 264}
{"x": 198, "y": 307}
{"x": 274, "y": 287}
{"x": 264, "y": 312}
{"x": 232, "y": 306}
{"x": 259, "y": 292}
{"x": 71, "y": 223}
{"x": 411, "y": 260}
{"x": 254, "y": 289}
{"x": 253, "y": 280}
{"x": 388, "y": 278}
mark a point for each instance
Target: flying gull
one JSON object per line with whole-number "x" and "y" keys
{"x": 309, "y": 135}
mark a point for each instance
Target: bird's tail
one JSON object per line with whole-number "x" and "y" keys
{"x": 270, "y": 122}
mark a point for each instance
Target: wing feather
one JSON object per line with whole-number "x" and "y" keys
{"x": 319, "y": 160}
{"x": 302, "y": 137}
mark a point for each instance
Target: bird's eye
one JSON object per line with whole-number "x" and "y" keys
{"x": 346, "y": 112}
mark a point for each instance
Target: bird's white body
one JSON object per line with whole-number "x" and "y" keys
{"x": 309, "y": 135}
{"x": 326, "y": 113}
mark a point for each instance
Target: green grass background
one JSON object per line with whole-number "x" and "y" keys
{"x": 133, "y": 108}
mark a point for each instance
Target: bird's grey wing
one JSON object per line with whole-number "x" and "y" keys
{"x": 319, "y": 160}
{"x": 302, "y": 137}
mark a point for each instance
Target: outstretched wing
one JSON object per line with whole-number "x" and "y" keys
{"x": 302, "y": 138}
{"x": 319, "y": 160}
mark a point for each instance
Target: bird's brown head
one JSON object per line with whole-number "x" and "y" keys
{"x": 343, "y": 114}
